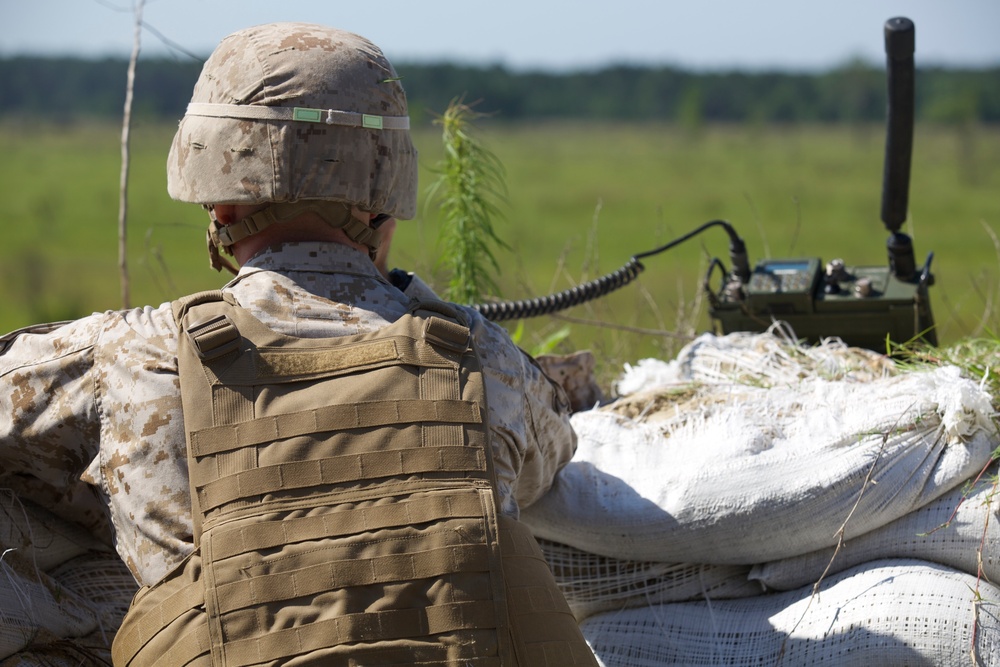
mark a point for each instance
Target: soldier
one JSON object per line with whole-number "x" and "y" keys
{"x": 308, "y": 466}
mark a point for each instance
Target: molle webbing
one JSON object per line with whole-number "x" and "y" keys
{"x": 344, "y": 508}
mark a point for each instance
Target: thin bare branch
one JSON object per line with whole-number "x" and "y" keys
{"x": 171, "y": 43}
{"x": 126, "y": 127}
{"x": 112, "y": 6}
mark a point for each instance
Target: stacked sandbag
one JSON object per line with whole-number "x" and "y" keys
{"x": 592, "y": 583}
{"x": 750, "y": 465}
{"x": 895, "y": 613}
{"x": 960, "y": 530}
{"x": 719, "y": 472}
{"x": 64, "y": 592}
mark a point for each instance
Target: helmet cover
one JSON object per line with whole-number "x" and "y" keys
{"x": 290, "y": 111}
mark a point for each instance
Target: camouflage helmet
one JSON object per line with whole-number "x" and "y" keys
{"x": 293, "y": 111}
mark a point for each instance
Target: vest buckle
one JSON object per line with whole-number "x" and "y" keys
{"x": 214, "y": 337}
{"x": 447, "y": 334}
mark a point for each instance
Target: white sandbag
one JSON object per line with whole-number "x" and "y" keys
{"x": 90, "y": 651}
{"x": 104, "y": 581}
{"x": 890, "y": 614}
{"x": 756, "y": 359}
{"x": 40, "y": 537}
{"x": 961, "y": 530}
{"x": 96, "y": 587}
{"x": 592, "y": 583}
{"x": 62, "y": 592}
{"x": 34, "y": 604}
{"x": 731, "y": 473}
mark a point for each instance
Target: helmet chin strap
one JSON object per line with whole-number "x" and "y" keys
{"x": 336, "y": 214}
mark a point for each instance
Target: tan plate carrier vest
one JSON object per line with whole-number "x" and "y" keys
{"x": 344, "y": 508}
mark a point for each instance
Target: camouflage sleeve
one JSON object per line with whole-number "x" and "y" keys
{"x": 416, "y": 288}
{"x": 552, "y": 440}
{"x": 52, "y": 434}
{"x": 529, "y": 419}
{"x": 96, "y": 434}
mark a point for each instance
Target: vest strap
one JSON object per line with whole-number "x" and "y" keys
{"x": 384, "y": 625}
{"x": 351, "y": 467}
{"x": 214, "y": 337}
{"x": 332, "y": 418}
{"x": 270, "y": 534}
{"x": 315, "y": 579}
{"x": 154, "y": 609}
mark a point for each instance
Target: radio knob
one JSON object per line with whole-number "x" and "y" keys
{"x": 863, "y": 288}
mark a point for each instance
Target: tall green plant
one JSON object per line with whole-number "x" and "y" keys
{"x": 468, "y": 192}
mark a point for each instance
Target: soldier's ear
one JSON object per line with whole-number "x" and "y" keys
{"x": 225, "y": 214}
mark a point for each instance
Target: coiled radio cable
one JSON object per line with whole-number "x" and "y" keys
{"x": 501, "y": 311}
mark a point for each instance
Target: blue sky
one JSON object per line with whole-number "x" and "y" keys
{"x": 539, "y": 34}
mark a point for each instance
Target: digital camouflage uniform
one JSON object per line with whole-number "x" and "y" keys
{"x": 98, "y": 400}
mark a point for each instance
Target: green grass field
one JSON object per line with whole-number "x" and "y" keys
{"x": 582, "y": 200}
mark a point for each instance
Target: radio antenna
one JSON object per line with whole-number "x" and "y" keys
{"x": 899, "y": 47}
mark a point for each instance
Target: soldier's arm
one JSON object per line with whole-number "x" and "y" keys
{"x": 49, "y": 429}
{"x": 47, "y": 397}
{"x": 551, "y": 439}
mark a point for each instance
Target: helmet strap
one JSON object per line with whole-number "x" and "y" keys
{"x": 336, "y": 214}
{"x": 215, "y": 258}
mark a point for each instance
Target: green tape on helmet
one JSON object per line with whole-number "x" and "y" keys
{"x": 308, "y": 115}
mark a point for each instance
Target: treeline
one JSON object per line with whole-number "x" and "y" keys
{"x": 67, "y": 88}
